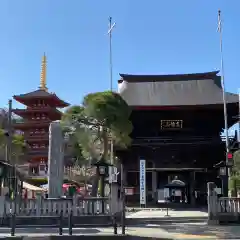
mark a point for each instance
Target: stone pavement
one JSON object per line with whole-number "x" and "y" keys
{"x": 171, "y": 231}
{"x": 171, "y": 213}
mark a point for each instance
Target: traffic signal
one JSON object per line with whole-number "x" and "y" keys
{"x": 229, "y": 159}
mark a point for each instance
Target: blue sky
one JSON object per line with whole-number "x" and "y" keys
{"x": 151, "y": 37}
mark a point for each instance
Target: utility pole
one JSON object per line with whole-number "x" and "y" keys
{"x": 12, "y": 174}
{"x": 227, "y": 172}
{"x": 9, "y": 133}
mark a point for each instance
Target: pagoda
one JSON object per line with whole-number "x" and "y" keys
{"x": 41, "y": 109}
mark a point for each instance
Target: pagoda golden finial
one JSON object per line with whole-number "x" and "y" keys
{"x": 43, "y": 73}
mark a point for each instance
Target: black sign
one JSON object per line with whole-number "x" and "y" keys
{"x": 171, "y": 124}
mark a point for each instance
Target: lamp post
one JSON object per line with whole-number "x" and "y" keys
{"x": 9, "y": 133}
{"x": 102, "y": 171}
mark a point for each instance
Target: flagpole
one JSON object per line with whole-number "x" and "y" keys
{"x": 111, "y": 26}
{"x": 225, "y": 181}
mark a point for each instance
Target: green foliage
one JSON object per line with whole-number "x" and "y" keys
{"x": 234, "y": 183}
{"x": 102, "y": 114}
{"x": 236, "y": 160}
{"x": 18, "y": 144}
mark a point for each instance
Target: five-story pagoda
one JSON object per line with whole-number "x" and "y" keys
{"x": 41, "y": 110}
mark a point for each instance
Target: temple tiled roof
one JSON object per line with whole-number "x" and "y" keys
{"x": 173, "y": 90}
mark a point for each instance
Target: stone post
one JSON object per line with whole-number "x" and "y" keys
{"x": 2, "y": 206}
{"x": 55, "y": 160}
{"x": 212, "y": 204}
{"x": 115, "y": 200}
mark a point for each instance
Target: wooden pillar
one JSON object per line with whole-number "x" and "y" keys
{"x": 192, "y": 188}
{"x": 154, "y": 184}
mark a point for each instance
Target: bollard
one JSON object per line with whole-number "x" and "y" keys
{"x": 13, "y": 224}
{"x": 123, "y": 222}
{"x": 167, "y": 215}
{"x": 115, "y": 225}
{"x": 167, "y": 212}
{"x": 70, "y": 223}
{"x": 61, "y": 223}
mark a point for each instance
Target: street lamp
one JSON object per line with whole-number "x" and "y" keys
{"x": 102, "y": 171}
{"x": 102, "y": 168}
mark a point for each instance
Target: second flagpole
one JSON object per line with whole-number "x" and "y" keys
{"x": 227, "y": 172}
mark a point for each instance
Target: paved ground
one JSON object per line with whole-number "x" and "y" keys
{"x": 171, "y": 213}
{"x": 171, "y": 231}
{"x": 166, "y": 229}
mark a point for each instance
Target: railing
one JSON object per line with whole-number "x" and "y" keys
{"x": 36, "y": 136}
{"x": 53, "y": 207}
{"x": 222, "y": 209}
{"x": 71, "y": 173}
{"x": 36, "y": 152}
{"x": 79, "y": 171}
{"x": 229, "y": 205}
{"x": 36, "y": 122}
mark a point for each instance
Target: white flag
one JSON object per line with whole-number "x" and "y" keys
{"x": 111, "y": 28}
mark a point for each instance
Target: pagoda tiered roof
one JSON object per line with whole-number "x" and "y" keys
{"x": 47, "y": 109}
{"x": 173, "y": 90}
{"x": 41, "y": 94}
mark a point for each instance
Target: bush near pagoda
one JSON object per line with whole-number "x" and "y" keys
{"x": 102, "y": 116}
{"x": 18, "y": 143}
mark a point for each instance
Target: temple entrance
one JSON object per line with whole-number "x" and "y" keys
{"x": 172, "y": 186}
{"x": 186, "y": 187}
{"x": 177, "y": 191}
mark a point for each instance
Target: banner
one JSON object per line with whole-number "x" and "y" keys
{"x": 142, "y": 175}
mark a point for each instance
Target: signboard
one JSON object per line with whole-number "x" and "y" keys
{"x": 129, "y": 191}
{"x": 142, "y": 176}
{"x": 171, "y": 124}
